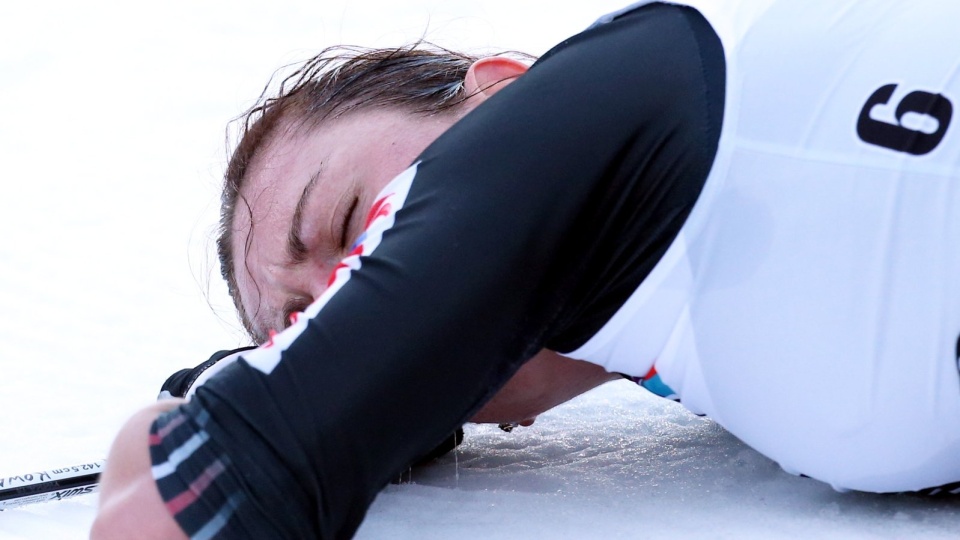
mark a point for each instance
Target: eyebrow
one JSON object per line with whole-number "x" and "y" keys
{"x": 296, "y": 248}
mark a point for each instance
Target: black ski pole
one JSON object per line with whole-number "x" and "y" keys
{"x": 49, "y": 485}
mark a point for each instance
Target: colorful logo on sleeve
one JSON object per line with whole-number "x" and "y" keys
{"x": 654, "y": 383}
{"x": 381, "y": 217}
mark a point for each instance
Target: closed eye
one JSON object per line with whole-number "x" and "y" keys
{"x": 347, "y": 219}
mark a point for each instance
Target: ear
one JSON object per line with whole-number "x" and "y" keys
{"x": 488, "y": 75}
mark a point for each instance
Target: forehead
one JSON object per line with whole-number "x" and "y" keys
{"x": 338, "y": 152}
{"x": 335, "y": 150}
{"x": 361, "y": 150}
{"x": 273, "y": 175}
{"x": 267, "y": 199}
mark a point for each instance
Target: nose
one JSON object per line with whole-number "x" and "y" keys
{"x": 307, "y": 281}
{"x": 344, "y": 266}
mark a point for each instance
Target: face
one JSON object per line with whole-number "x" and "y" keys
{"x": 308, "y": 191}
{"x": 308, "y": 194}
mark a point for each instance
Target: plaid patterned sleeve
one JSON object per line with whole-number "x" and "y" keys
{"x": 193, "y": 477}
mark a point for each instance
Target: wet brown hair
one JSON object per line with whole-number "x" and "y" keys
{"x": 420, "y": 78}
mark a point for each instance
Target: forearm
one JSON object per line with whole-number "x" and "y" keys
{"x": 545, "y": 381}
{"x": 130, "y": 504}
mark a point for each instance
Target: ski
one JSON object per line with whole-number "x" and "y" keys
{"x": 49, "y": 485}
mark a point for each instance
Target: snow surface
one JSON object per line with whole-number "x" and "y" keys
{"x": 111, "y": 147}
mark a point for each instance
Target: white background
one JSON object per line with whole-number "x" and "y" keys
{"x": 111, "y": 149}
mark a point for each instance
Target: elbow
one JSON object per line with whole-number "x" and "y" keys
{"x": 106, "y": 527}
{"x": 130, "y": 504}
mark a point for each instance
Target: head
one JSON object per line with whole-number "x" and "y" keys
{"x": 340, "y": 127}
{"x": 311, "y": 159}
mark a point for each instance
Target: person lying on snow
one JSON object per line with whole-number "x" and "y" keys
{"x": 748, "y": 206}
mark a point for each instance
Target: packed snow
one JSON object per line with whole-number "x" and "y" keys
{"x": 111, "y": 145}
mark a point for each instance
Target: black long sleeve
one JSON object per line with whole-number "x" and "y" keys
{"x": 526, "y": 226}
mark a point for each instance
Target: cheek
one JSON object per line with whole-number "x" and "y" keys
{"x": 244, "y": 264}
{"x": 248, "y": 301}
{"x": 257, "y": 289}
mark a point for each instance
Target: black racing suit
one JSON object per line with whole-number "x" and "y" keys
{"x": 528, "y": 224}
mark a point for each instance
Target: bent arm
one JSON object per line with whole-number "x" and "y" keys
{"x": 524, "y": 226}
{"x": 130, "y": 505}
